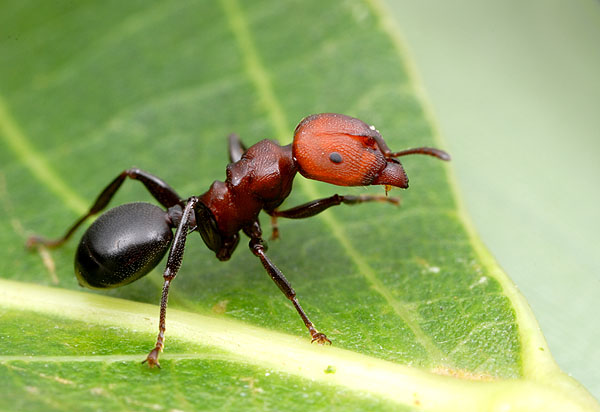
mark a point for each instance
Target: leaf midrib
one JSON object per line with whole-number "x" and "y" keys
{"x": 289, "y": 354}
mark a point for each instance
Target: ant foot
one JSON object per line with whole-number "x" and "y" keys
{"x": 152, "y": 358}
{"x": 393, "y": 200}
{"x": 33, "y": 241}
{"x": 385, "y": 199}
{"x": 319, "y": 337}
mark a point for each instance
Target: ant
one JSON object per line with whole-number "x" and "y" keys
{"x": 127, "y": 242}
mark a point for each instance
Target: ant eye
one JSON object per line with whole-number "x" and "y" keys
{"x": 335, "y": 157}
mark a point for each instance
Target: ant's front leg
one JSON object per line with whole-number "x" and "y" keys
{"x": 317, "y": 206}
{"x": 257, "y": 247}
{"x": 173, "y": 265}
{"x": 157, "y": 187}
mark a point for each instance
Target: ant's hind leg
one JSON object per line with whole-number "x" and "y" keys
{"x": 158, "y": 188}
{"x": 315, "y": 207}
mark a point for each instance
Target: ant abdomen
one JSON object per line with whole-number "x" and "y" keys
{"x": 122, "y": 245}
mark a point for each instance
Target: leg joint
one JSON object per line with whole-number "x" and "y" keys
{"x": 258, "y": 246}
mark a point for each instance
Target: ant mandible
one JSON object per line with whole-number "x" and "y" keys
{"x": 128, "y": 241}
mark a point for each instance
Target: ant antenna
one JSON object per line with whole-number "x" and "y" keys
{"x": 430, "y": 151}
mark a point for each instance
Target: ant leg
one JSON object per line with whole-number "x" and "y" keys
{"x": 236, "y": 148}
{"x": 258, "y": 248}
{"x": 158, "y": 188}
{"x": 173, "y": 265}
{"x": 274, "y": 228}
{"x": 317, "y": 206}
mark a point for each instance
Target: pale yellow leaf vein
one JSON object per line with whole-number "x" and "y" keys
{"x": 36, "y": 162}
{"x": 259, "y": 75}
{"x": 537, "y": 360}
{"x": 292, "y": 355}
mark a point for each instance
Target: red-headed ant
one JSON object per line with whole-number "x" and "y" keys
{"x": 128, "y": 241}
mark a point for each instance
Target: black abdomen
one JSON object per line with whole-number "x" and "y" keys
{"x": 122, "y": 245}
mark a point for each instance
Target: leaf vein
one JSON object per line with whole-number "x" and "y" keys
{"x": 35, "y": 161}
{"x": 257, "y": 72}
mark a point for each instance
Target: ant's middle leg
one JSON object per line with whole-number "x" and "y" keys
{"x": 257, "y": 247}
{"x": 317, "y": 206}
{"x": 158, "y": 188}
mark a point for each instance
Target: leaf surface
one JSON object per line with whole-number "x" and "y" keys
{"x": 420, "y": 315}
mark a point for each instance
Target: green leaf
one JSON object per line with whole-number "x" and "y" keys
{"x": 419, "y": 314}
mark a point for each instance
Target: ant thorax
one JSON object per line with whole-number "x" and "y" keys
{"x": 261, "y": 179}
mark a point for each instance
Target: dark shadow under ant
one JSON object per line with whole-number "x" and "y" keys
{"x": 127, "y": 242}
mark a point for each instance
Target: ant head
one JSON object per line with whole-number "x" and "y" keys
{"x": 346, "y": 151}
{"x": 343, "y": 150}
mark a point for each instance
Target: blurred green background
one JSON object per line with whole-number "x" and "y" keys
{"x": 515, "y": 88}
